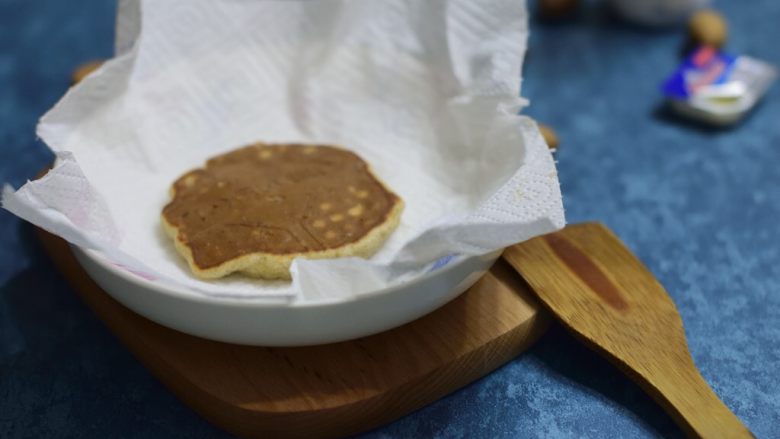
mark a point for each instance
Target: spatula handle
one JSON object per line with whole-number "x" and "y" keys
{"x": 599, "y": 290}
{"x": 688, "y": 398}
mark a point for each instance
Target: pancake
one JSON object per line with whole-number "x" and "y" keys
{"x": 255, "y": 209}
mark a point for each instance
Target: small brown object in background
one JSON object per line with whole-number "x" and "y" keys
{"x": 556, "y": 9}
{"x": 549, "y": 136}
{"x": 707, "y": 27}
{"x": 604, "y": 295}
{"x": 85, "y": 69}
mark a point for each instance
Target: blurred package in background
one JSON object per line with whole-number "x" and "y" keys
{"x": 717, "y": 88}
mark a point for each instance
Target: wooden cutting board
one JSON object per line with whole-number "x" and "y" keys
{"x": 330, "y": 390}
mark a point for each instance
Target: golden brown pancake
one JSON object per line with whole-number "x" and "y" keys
{"x": 255, "y": 209}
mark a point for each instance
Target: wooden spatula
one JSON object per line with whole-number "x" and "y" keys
{"x": 598, "y": 289}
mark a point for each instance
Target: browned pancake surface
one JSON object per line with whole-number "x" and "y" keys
{"x": 276, "y": 199}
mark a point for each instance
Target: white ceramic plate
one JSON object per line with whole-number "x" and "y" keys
{"x": 273, "y": 323}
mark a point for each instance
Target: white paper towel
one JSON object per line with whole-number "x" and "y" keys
{"x": 427, "y": 92}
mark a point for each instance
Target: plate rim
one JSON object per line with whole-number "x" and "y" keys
{"x": 270, "y": 302}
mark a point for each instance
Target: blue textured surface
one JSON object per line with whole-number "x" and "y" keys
{"x": 699, "y": 207}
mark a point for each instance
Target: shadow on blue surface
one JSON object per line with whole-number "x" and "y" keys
{"x": 562, "y": 354}
{"x": 665, "y": 114}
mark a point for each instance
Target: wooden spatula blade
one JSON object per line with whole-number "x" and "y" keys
{"x": 598, "y": 289}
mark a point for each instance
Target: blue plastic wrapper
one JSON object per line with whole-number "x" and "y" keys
{"x": 718, "y": 88}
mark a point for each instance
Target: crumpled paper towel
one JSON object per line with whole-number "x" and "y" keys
{"x": 426, "y": 91}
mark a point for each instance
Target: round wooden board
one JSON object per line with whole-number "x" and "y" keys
{"x": 330, "y": 390}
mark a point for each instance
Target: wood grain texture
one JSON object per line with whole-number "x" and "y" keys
{"x": 330, "y": 390}
{"x": 597, "y": 288}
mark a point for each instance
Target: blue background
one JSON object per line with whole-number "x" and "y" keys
{"x": 700, "y": 207}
